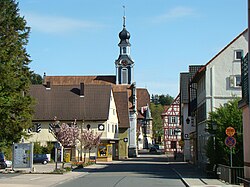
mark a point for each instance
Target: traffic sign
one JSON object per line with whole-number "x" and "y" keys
{"x": 230, "y": 131}
{"x": 230, "y": 141}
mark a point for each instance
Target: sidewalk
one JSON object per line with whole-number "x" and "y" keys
{"x": 41, "y": 177}
{"x": 200, "y": 179}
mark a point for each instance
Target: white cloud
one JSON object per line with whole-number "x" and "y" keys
{"x": 177, "y": 12}
{"x": 56, "y": 24}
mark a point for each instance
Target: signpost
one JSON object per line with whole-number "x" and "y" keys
{"x": 230, "y": 131}
{"x": 230, "y": 141}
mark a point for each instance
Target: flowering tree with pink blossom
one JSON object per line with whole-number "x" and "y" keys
{"x": 66, "y": 134}
{"x": 89, "y": 140}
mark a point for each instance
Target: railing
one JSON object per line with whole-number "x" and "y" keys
{"x": 246, "y": 182}
{"x": 231, "y": 175}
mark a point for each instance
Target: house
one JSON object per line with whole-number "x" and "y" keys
{"x": 144, "y": 120}
{"x": 188, "y": 99}
{"x": 185, "y": 121}
{"x": 89, "y": 106}
{"x": 217, "y": 82}
{"x": 244, "y": 105}
{"x": 172, "y": 129}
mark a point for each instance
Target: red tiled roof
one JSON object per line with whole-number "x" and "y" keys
{"x": 143, "y": 99}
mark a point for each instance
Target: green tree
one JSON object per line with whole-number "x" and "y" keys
{"x": 162, "y": 99}
{"x": 156, "y": 111}
{"x": 36, "y": 78}
{"x": 157, "y": 108}
{"x": 223, "y": 117}
{"x": 15, "y": 103}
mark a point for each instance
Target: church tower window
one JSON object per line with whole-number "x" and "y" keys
{"x": 124, "y": 50}
{"x": 124, "y": 76}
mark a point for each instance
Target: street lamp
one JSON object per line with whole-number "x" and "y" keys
{"x": 55, "y": 129}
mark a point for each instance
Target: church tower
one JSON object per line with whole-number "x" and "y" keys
{"x": 125, "y": 76}
{"x": 124, "y": 64}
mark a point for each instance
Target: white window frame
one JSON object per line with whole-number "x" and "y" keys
{"x": 173, "y": 120}
{"x": 233, "y": 81}
{"x": 236, "y": 52}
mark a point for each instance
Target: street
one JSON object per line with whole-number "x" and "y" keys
{"x": 142, "y": 171}
{"x": 147, "y": 170}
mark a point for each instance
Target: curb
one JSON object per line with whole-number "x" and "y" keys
{"x": 182, "y": 179}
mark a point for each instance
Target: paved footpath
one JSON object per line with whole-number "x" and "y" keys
{"x": 192, "y": 177}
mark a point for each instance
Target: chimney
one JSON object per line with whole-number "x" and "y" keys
{"x": 81, "y": 89}
{"x": 44, "y": 77}
{"x": 48, "y": 85}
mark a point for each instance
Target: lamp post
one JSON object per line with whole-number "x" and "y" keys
{"x": 55, "y": 129}
{"x": 57, "y": 145}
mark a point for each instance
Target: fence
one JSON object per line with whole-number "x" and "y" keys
{"x": 229, "y": 174}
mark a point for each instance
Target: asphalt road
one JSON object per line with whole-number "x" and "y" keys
{"x": 140, "y": 172}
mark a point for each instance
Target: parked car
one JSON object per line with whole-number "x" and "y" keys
{"x": 8, "y": 163}
{"x": 40, "y": 158}
{"x": 153, "y": 149}
{"x": 3, "y": 165}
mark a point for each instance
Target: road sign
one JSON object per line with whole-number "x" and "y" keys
{"x": 230, "y": 131}
{"x": 230, "y": 141}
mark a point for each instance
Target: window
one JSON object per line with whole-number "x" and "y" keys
{"x": 102, "y": 150}
{"x": 235, "y": 81}
{"x": 166, "y": 132}
{"x": 116, "y": 129}
{"x": 124, "y": 50}
{"x": 171, "y": 132}
{"x": 238, "y": 54}
{"x": 124, "y": 76}
{"x": 172, "y": 119}
{"x": 173, "y": 144}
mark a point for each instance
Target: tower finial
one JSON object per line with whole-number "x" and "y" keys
{"x": 124, "y": 16}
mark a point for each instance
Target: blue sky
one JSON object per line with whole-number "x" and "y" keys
{"x": 80, "y": 37}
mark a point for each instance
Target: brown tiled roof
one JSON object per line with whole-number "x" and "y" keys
{"x": 122, "y": 93}
{"x": 76, "y": 80}
{"x": 121, "y": 101}
{"x": 65, "y": 102}
{"x": 143, "y": 99}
